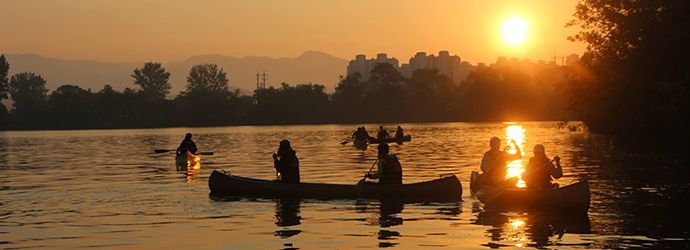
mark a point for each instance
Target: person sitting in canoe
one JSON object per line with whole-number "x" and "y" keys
{"x": 389, "y": 168}
{"x": 399, "y": 134}
{"x": 365, "y": 133}
{"x": 539, "y": 170}
{"x": 494, "y": 163}
{"x": 360, "y": 134}
{"x": 286, "y": 163}
{"x": 383, "y": 134}
{"x": 187, "y": 145}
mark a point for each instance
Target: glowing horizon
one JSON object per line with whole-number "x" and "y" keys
{"x": 174, "y": 30}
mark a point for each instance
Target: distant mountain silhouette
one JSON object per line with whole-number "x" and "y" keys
{"x": 310, "y": 67}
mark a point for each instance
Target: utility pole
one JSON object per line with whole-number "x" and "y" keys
{"x": 260, "y": 80}
{"x": 263, "y": 84}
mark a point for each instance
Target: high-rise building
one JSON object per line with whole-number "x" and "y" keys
{"x": 444, "y": 62}
{"x": 571, "y": 59}
{"x": 364, "y": 66}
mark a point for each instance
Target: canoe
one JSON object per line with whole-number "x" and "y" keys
{"x": 444, "y": 189}
{"x": 188, "y": 161}
{"x": 574, "y": 197}
{"x": 361, "y": 143}
{"x": 398, "y": 140}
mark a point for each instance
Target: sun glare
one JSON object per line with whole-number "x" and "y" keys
{"x": 514, "y": 31}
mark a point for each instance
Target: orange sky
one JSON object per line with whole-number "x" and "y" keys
{"x": 173, "y": 30}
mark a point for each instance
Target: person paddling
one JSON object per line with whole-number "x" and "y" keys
{"x": 186, "y": 145}
{"x": 383, "y": 134}
{"x": 389, "y": 169}
{"x": 494, "y": 162}
{"x": 539, "y": 170}
{"x": 357, "y": 134}
{"x": 287, "y": 163}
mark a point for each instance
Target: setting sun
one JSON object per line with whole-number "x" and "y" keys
{"x": 514, "y": 31}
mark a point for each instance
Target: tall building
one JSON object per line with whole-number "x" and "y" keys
{"x": 364, "y": 66}
{"x": 571, "y": 59}
{"x": 444, "y": 62}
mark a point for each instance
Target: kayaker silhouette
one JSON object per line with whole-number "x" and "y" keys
{"x": 187, "y": 145}
{"x": 286, "y": 163}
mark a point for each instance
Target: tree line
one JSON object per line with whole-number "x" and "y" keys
{"x": 489, "y": 94}
{"x": 633, "y": 81}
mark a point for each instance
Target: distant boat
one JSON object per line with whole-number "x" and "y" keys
{"x": 444, "y": 189}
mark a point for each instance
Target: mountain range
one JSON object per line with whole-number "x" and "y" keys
{"x": 310, "y": 67}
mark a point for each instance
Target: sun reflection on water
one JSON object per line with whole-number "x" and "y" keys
{"x": 515, "y": 168}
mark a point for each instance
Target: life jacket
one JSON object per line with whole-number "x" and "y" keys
{"x": 497, "y": 171}
{"x": 393, "y": 172}
{"x": 291, "y": 173}
{"x": 539, "y": 178}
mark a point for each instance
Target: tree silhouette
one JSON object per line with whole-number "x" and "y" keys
{"x": 208, "y": 96}
{"x": 634, "y": 78}
{"x": 385, "y": 94}
{"x": 207, "y": 78}
{"x": 28, "y": 92}
{"x": 153, "y": 80}
{"x": 4, "y": 81}
{"x": 71, "y": 107}
{"x": 432, "y": 96}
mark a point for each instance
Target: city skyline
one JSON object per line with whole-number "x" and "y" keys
{"x": 103, "y": 31}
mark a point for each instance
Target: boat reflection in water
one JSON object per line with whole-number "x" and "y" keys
{"x": 533, "y": 229}
{"x": 386, "y": 216}
{"x": 288, "y": 214}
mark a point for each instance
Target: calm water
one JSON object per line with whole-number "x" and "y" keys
{"x": 106, "y": 189}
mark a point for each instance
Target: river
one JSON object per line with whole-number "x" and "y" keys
{"x": 107, "y": 189}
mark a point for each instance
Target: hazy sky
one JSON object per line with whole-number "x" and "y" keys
{"x": 173, "y": 30}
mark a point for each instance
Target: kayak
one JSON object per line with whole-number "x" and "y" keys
{"x": 444, "y": 189}
{"x": 188, "y": 161}
{"x": 574, "y": 197}
{"x": 396, "y": 139}
{"x": 361, "y": 143}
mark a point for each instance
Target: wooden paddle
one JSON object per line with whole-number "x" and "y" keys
{"x": 493, "y": 193}
{"x": 481, "y": 179}
{"x": 345, "y": 142}
{"x": 360, "y": 183}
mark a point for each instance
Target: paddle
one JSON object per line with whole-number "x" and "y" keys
{"x": 482, "y": 178}
{"x": 346, "y": 141}
{"x": 493, "y": 193}
{"x": 360, "y": 183}
{"x": 158, "y": 151}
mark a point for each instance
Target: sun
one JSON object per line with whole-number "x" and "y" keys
{"x": 515, "y": 31}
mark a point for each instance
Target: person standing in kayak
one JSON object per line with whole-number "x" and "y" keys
{"x": 389, "y": 169}
{"x": 287, "y": 163}
{"x": 187, "y": 145}
{"x": 494, "y": 162}
{"x": 539, "y": 170}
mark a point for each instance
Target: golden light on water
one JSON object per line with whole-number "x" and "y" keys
{"x": 517, "y": 223}
{"x": 516, "y": 232}
{"x": 515, "y": 168}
